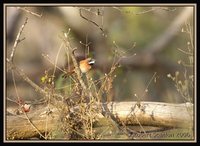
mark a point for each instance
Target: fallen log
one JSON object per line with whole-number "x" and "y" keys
{"x": 156, "y": 114}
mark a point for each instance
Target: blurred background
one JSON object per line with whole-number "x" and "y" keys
{"x": 150, "y": 43}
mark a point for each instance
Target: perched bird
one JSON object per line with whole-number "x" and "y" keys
{"x": 84, "y": 65}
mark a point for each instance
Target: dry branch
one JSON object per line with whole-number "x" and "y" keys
{"x": 148, "y": 113}
{"x": 30, "y": 12}
{"x": 17, "y": 40}
{"x": 29, "y": 81}
{"x": 90, "y": 20}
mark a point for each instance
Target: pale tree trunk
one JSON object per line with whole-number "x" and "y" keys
{"x": 156, "y": 114}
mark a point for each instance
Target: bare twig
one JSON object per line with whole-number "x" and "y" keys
{"x": 77, "y": 69}
{"x": 146, "y": 89}
{"x": 48, "y": 59}
{"x": 14, "y": 101}
{"x": 187, "y": 53}
{"x": 17, "y": 40}
{"x": 153, "y": 9}
{"x": 90, "y": 20}
{"x": 29, "y": 81}
{"x": 16, "y": 91}
{"x": 28, "y": 11}
{"x": 33, "y": 125}
{"x": 146, "y": 11}
{"x": 47, "y": 117}
{"x": 133, "y": 114}
{"x": 55, "y": 65}
{"x": 20, "y": 104}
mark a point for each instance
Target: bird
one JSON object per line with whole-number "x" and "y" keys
{"x": 85, "y": 66}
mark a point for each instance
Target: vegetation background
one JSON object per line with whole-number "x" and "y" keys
{"x": 131, "y": 31}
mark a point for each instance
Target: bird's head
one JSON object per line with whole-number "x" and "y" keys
{"x": 91, "y": 61}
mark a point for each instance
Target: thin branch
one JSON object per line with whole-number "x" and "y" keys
{"x": 47, "y": 117}
{"x": 17, "y": 40}
{"x": 16, "y": 91}
{"x": 28, "y": 11}
{"x": 14, "y": 101}
{"x": 55, "y": 65}
{"x": 77, "y": 69}
{"x": 167, "y": 9}
{"x": 33, "y": 125}
{"x": 29, "y": 81}
{"x": 146, "y": 89}
{"x": 48, "y": 59}
{"x": 153, "y": 9}
{"x": 141, "y": 126}
{"x": 185, "y": 52}
{"x": 20, "y": 104}
{"x": 90, "y": 20}
{"x": 92, "y": 12}
{"x": 146, "y": 11}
